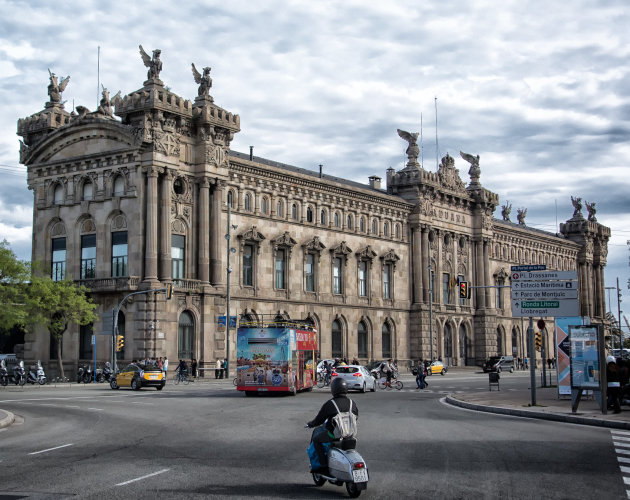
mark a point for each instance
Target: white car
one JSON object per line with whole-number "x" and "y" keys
{"x": 357, "y": 377}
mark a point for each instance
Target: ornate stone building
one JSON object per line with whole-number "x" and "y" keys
{"x": 136, "y": 194}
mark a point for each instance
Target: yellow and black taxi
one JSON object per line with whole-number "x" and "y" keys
{"x": 138, "y": 376}
{"x": 436, "y": 367}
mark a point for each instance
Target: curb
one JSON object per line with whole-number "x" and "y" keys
{"x": 7, "y": 420}
{"x": 570, "y": 419}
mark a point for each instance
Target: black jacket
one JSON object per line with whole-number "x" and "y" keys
{"x": 328, "y": 410}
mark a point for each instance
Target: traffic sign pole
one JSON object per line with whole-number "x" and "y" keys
{"x": 532, "y": 360}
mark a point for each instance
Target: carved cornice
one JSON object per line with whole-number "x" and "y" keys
{"x": 252, "y": 234}
{"x": 341, "y": 249}
{"x": 366, "y": 253}
{"x": 314, "y": 245}
{"x": 284, "y": 240}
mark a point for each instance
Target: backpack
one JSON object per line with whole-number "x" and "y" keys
{"x": 344, "y": 423}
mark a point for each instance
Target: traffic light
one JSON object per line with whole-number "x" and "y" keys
{"x": 169, "y": 291}
{"x": 463, "y": 290}
{"x": 538, "y": 340}
{"x": 120, "y": 342}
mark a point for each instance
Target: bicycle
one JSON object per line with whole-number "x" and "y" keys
{"x": 395, "y": 383}
{"x": 323, "y": 380}
{"x": 182, "y": 377}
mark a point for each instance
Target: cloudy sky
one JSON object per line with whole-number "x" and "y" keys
{"x": 540, "y": 90}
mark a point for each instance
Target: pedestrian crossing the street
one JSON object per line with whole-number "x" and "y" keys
{"x": 621, "y": 441}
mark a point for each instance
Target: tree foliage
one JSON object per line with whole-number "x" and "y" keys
{"x": 14, "y": 274}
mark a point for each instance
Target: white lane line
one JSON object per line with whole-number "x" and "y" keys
{"x": 621, "y": 438}
{"x": 625, "y": 470}
{"x": 626, "y": 480}
{"x": 51, "y": 449}
{"x": 142, "y": 477}
{"x": 96, "y": 409}
{"x": 621, "y": 451}
{"x": 623, "y": 460}
{"x": 621, "y": 444}
{"x": 71, "y": 406}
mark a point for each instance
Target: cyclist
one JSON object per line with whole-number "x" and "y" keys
{"x": 388, "y": 369}
{"x": 182, "y": 369}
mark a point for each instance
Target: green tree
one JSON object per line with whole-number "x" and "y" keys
{"x": 13, "y": 276}
{"x": 55, "y": 305}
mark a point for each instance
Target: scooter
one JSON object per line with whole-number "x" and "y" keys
{"x": 19, "y": 376}
{"x": 39, "y": 375}
{"x": 4, "y": 374}
{"x": 108, "y": 372}
{"x": 345, "y": 465}
{"x": 84, "y": 374}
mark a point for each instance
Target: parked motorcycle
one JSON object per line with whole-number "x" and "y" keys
{"x": 4, "y": 374}
{"x": 36, "y": 374}
{"x": 19, "y": 375}
{"x": 108, "y": 373}
{"x": 345, "y": 465}
{"x": 84, "y": 374}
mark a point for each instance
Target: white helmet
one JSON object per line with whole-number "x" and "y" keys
{"x": 610, "y": 359}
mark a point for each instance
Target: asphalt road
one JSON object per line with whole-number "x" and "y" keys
{"x": 209, "y": 441}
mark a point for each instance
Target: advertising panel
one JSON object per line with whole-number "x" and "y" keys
{"x": 563, "y": 357}
{"x": 263, "y": 357}
{"x": 585, "y": 367}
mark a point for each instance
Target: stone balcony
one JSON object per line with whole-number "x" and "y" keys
{"x": 118, "y": 284}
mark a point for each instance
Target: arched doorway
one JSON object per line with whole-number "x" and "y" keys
{"x": 463, "y": 345}
{"x": 500, "y": 343}
{"x": 386, "y": 341}
{"x": 185, "y": 336}
{"x": 336, "y": 348}
{"x": 362, "y": 340}
{"x": 514, "y": 342}
{"x": 448, "y": 344}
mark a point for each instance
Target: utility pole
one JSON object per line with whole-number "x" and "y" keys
{"x": 430, "y": 311}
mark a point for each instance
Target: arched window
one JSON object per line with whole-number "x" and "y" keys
{"x": 279, "y": 211}
{"x": 337, "y": 221}
{"x": 58, "y": 194}
{"x": 386, "y": 341}
{"x": 374, "y": 226}
{"x": 362, "y": 340}
{"x": 294, "y": 212}
{"x": 336, "y": 339}
{"x": 463, "y": 345}
{"x": 230, "y": 199}
{"x": 264, "y": 205}
{"x": 349, "y": 224}
{"x": 88, "y": 191}
{"x": 514, "y": 342}
{"x": 185, "y": 336}
{"x": 362, "y": 224}
{"x": 309, "y": 214}
{"x": 499, "y": 341}
{"x": 248, "y": 202}
{"x": 119, "y": 185}
{"x": 322, "y": 217}
{"x": 386, "y": 229}
{"x": 397, "y": 231}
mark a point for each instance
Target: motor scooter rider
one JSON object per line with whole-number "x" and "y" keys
{"x": 339, "y": 390}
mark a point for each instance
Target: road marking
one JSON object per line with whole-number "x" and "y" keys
{"x": 621, "y": 437}
{"x": 96, "y": 409}
{"x": 621, "y": 451}
{"x": 621, "y": 442}
{"x": 51, "y": 449}
{"x": 142, "y": 477}
{"x": 71, "y": 406}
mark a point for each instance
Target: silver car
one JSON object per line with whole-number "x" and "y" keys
{"x": 357, "y": 377}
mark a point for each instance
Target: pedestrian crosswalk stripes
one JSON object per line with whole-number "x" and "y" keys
{"x": 621, "y": 442}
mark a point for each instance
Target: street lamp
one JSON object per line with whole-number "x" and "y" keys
{"x": 430, "y": 311}
{"x": 227, "y": 289}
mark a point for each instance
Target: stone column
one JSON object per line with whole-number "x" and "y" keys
{"x": 425, "y": 263}
{"x": 479, "y": 274}
{"x": 486, "y": 271}
{"x": 417, "y": 260}
{"x": 582, "y": 284}
{"x": 217, "y": 233}
{"x": 203, "y": 273}
{"x": 165, "y": 226}
{"x": 150, "y": 252}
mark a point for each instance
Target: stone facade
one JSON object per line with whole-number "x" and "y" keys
{"x": 141, "y": 199}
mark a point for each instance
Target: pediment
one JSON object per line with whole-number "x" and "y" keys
{"x": 81, "y": 139}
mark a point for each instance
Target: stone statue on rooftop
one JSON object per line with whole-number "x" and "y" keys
{"x": 204, "y": 81}
{"x": 154, "y": 64}
{"x": 412, "y": 150}
{"x": 520, "y": 215}
{"x": 577, "y": 206}
{"x": 590, "y": 207}
{"x": 106, "y": 105}
{"x": 56, "y": 87}
{"x": 474, "y": 171}
{"x": 505, "y": 211}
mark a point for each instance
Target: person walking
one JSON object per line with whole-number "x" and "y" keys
{"x": 614, "y": 384}
{"x": 165, "y": 367}
{"x": 420, "y": 376}
{"x": 193, "y": 368}
{"x": 217, "y": 368}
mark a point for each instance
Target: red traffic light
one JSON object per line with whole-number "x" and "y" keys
{"x": 541, "y": 324}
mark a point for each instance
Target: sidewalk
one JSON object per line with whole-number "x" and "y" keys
{"x": 548, "y": 407}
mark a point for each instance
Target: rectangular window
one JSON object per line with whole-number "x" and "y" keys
{"x": 280, "y": 270}
{"x": 88, "y": 256}
{"x": 178, "y": 243}
{"x": 248, "y": 265}
{"x": 309, "y": 273}
{"x": 58, "y": 259}
{"x": 362, "y": 279}
{"x": 461, "y": 278}
{"x": 119, "y": 254}
{"x": 336, "y": 275}
{"x": 446, "y": 288}
{"x": 387, "y": 276}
